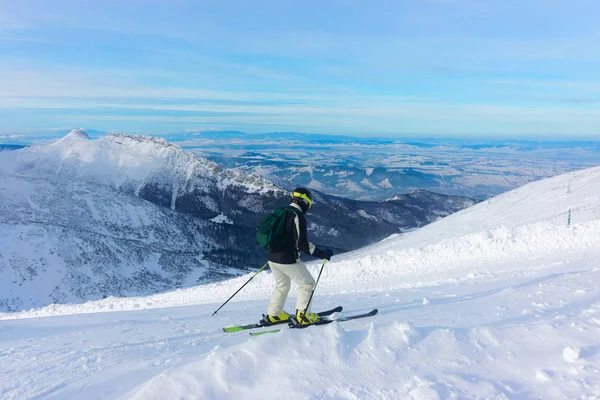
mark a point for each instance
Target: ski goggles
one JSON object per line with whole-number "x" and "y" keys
{"x": 303, "y": 197}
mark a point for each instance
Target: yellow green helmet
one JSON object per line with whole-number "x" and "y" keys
{"x": 302, "y": 196}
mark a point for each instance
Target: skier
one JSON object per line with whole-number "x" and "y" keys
{"x": 287, "y": 266}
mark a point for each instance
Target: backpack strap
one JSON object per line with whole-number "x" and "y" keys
{"x": 294, "y": 209}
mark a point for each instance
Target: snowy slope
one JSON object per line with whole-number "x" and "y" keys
{"x": 500, "y": 300}
{"x": 64, "y": 241}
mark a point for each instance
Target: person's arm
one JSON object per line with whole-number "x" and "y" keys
{"x": 302, "y": 242}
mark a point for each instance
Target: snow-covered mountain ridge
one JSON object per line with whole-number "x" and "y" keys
{"x": 123, "y": 160}
{"x": 498, "y": 301}
{"x": 129, "y": 215}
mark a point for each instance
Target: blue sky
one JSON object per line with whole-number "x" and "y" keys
{"x": 411, "y": 68}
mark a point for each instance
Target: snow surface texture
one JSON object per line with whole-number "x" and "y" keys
{"x": 497, "y": 301}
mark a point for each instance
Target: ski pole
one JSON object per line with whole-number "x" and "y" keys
{"x": 315, "y": 287}
{"x": 263, "y": 267}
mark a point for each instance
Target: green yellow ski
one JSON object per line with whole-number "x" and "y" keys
{"x": 263, "y": 325}
{"x": 324, "y": 321}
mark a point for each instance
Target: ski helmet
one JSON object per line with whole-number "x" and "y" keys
{"x": 303, "y": 197}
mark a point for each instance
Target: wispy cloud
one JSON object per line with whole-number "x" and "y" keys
{"x": 11, "y": 137}
{"x": 446, "y": 66}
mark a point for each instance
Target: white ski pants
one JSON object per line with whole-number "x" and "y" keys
{"x": 284, "y": 274}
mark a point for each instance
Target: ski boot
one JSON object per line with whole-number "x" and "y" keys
{"x": 307, "y": 318}
{"x": 278, "y": 319}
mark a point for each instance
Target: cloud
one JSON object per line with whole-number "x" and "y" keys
{"x": 573, "y": 100}
{"x": 21, "y": 136}
{"x": 444, "y": 119}
{"x": 200, "y": 130}
{"x": 65, "y": 129}
{"x": 589, "y": 86}
{"x": 405, "y": 66}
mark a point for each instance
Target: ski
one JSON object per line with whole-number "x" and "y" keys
{"x": 264, "y": 332}
{"x": 342, "y": 319}
{"x": 325, "y": 321}
{"x": 263, "y": 325}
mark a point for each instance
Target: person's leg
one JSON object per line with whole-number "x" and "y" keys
{"x": 282, "y": 288}
{"x": 306, "y": 283}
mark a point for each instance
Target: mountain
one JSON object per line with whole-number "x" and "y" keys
{"x": 497, "y": 301}
{"x": 127, "y": 215}
{"x": 7, "y": 147}
{"x": 123, "y": 215}
{"x": 404, "y": 212}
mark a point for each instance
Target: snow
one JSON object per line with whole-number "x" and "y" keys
{"x": 367, "y": 183}
{"x": 365, "y": 214}
{"x": 117, "y": 159}
{"x": 349, "y": 185}
{"x": 385, "y": 183}
{"x": 51, "y": 232}
{"x": 571, "y": 354}
{"x": 500, "y": 300}
{"x": 314, "y": 184}
{"x": 222, "y": 219}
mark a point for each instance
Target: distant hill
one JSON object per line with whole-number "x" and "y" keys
{"x": 4, "y": 147}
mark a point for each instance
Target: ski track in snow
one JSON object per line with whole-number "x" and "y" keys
{"x": 497, "y": 301}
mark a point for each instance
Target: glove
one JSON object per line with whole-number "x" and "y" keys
{"x": 327, "y": 254}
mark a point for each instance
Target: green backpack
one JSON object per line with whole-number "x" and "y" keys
{"x": 270, "y": 231}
